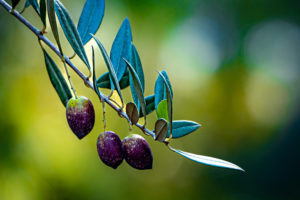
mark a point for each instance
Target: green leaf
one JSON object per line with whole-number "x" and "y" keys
{"x": 182, "y": 128}
{"x": 137, "y": 65}
{"x": 14, "y": 3}
{"x": 132, "y": 112}
{"x": 112, "y": 73}
{"x": 90, "y": 19}
{"x": 57, "y": 79}
{"x": 161, "y": 129}
{"x": 43, "y": 11}
{"x": 53, "y": 24}
{"x": 160, "y": 89}
{"x": 162, "y": 110}
{"x": 70, "y": 31}
{"x": 207, "y": 160}
{"x": 169, "y": 93}
{"x": 149, "y": 105}
{"x": 104, "y": 82}
{"x": 121, "y": 48}
{"x": 138, "y": 87}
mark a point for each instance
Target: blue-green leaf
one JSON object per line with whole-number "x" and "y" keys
{"x": 104, "y": 82}
{"x": 112, "y": 73}
{"x": 182, "y": 128}
{"x": 90, "y": 19}
{"x": 162, "y": 110}
{"x": 57, "y": 79}
{"x": 207, "y": 160}
{"x": 137, "y": 65}
{"x": 53, "y": 24}
{"x": 160, "y": 89}
{"x": 138, "y": 87}
{"x": 121, "y": 48}
{"x": 149, "y": 105}
{"x": 169, "y": 93}
{"x": 70, "y": 31}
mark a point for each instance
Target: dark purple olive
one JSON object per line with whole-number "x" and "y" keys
{"x": 137, "y": 152}
{"x": 80, "y": 115}
{"x": 110, "y": 149}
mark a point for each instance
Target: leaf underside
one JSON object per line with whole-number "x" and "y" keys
{"x": 161, "y": 130}
{"x": 207, "y": 160}
{"x": 132, "y": 112}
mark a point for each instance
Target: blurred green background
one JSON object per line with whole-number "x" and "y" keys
{"x": 235, "y": 69}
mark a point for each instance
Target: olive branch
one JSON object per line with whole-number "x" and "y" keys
{"x": 124, "y": 69}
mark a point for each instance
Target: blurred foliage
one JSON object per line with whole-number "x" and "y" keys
{"x": 234, "y": 67}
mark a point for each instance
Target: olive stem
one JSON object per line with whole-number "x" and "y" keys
{"x": 104, "y": 121}
{"x": 85, "y": 78}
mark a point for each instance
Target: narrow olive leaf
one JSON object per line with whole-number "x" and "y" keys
{"x": 57, "y": 79}
{"x": 149, "y": 105}
{"x": 90, "y": 19}
{"x": 132, "y": 112}
{"x": 112, "y": 73}
{"x": 137, "y": 65}
{"x": 121, "y": 48}
{"x": 14, "y": 3}
{"x": 94, "y": 75}
{"x": 160, "y": 89}
{"x": 182, "y": 128}
{"x": 169, "y": 100}
{"x": 53, "y": 24}
{"x": 162, "y": 110}
{"x": 104, "y": 82}
{"x": 207, "y": 160}
{"x": 138, "y": 87}
{"x": 70, "y": 31}
{"x": 161, "y": 130}
{"x": 43, "y": 11}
